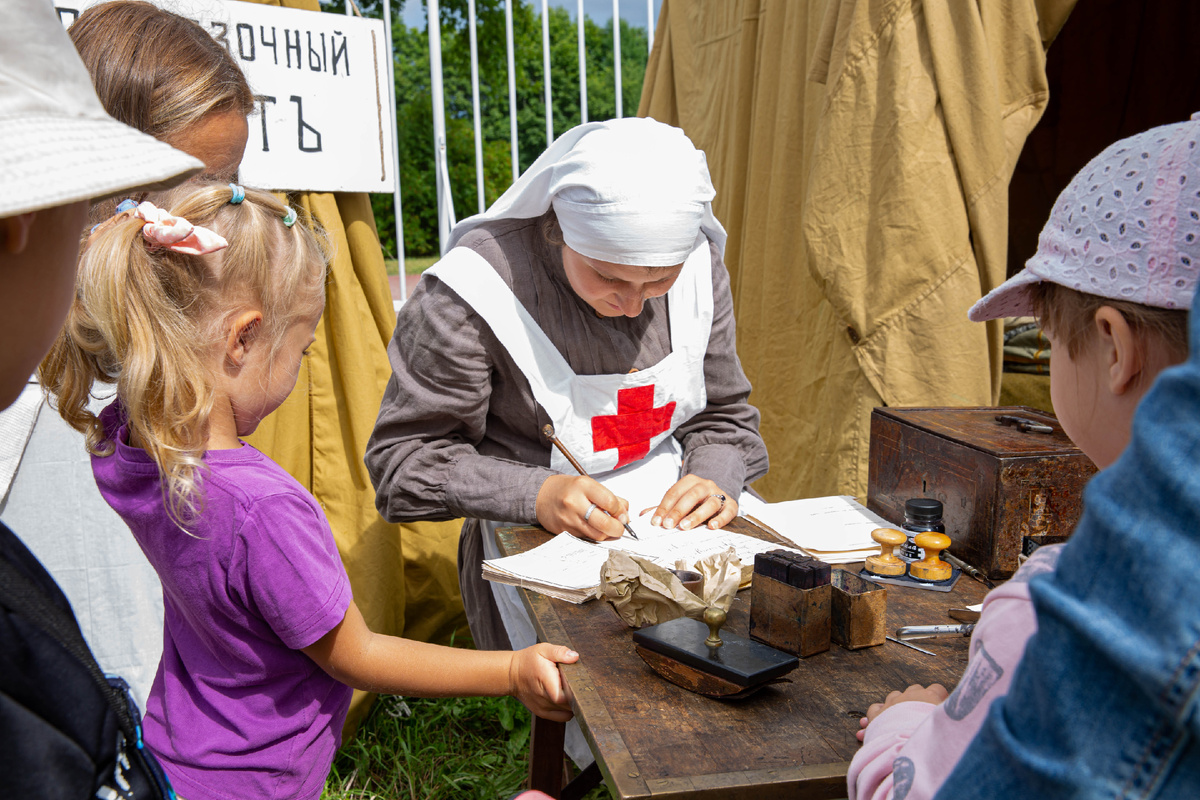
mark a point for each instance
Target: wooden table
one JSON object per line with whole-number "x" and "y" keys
{"x": 653, "y": 739}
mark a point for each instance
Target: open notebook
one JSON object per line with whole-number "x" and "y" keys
{"x": 836, "y": 530}
{"x": 569, "y": 569}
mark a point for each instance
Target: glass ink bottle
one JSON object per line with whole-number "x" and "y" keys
{"x": 921, "y": 514}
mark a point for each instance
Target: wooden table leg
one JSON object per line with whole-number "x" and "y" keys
{"x": 546, "y": 756}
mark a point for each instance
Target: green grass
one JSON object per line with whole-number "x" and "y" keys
{"x": 444, "y": 749}
{"x": 413, "y": 265}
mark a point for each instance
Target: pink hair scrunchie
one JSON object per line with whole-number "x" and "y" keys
{"x": 176, "y": 234}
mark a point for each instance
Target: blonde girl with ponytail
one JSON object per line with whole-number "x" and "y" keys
{"x": 200, "y": 315}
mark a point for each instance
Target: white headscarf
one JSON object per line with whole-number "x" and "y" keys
{"x": 628, "y": 191}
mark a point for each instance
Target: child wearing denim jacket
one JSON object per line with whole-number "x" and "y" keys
{"x": 1111, "y": 284}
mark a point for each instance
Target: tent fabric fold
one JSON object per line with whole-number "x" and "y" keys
{"x": 861, "y": 152}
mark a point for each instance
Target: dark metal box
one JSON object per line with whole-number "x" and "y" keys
{"x": 998, "y": 484}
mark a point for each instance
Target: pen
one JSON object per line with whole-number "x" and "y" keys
{"x": 779, "y": 537}
{"x": 548, "y": 432}
{"x": 955, "y": 561}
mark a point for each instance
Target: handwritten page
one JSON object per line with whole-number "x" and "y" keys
{"x": 668, "y": 546}
{"x": 569, "y": 568}
{"x": 838, "y": 524}
{"x": 564, "y": 567}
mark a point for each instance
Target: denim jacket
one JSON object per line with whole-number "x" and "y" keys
{"x": 1106, "y": 700}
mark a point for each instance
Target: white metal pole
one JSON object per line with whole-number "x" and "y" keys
{"x": 546, "y": 72}
{"x": 391, "y": 71}
{"x": 650, "y": 20}
{"x": 444, "y": 200}
{"x": 512, "y": 90}
{"x": 475, "y": 105}
{"x": 583, "y": 111}
{"x": 616, "y": 21}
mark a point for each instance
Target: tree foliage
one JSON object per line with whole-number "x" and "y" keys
{"x": 414, "y": 115}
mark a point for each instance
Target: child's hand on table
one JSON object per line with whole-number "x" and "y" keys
{"x": 935, "y": 693}
{"x": 534, "y": 679}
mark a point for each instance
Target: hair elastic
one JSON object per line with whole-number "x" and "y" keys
{"x": 239, "y": 194}
{"x": 125, "y": 205}
{"x": 289, "y": 217}
{"x": 165, "y": 231}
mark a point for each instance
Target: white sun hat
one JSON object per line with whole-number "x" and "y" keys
{"x": 1127, "y": 227}
{"x": 57, "y": 144}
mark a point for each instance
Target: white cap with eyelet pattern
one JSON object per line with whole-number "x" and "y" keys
{"x": 1127, "y": 227}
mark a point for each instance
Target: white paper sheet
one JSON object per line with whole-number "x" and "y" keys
{"x": 564, "y": 562}
{"x": 569, "y": 568}
{"x": 666, "y": 547}
{"x": 838, "y": 524}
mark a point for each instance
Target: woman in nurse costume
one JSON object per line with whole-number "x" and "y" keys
{"x": 592, "y": 296}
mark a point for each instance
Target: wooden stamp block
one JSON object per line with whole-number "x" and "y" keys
{"x": 998, "y": 484}
{"x": 789, "y": 618}
{"x": 858, "y": 612}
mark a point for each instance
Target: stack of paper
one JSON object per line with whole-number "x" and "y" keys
{"x": 569, "y": 568}
{"x": 564, "y": 567}
{"x": 836, "y": 529}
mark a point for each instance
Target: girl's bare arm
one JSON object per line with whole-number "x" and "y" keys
{"x": 373, "y": 662}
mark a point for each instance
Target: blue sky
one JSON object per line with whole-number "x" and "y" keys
{"x": 599, "y": 11}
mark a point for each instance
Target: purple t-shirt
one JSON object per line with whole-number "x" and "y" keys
{"x": 236, "y": 710}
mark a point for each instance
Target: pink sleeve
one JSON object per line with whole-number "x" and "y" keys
{"x": 870, "y": 774}
{"x": 911, "y": 748}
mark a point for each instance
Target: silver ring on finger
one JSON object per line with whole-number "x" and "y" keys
{"x": 720, "y": 497}
{"x": 588, "y": 514}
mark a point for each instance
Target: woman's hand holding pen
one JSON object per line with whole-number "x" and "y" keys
{"x": 582, "y": 507}
{"x": 694, "y": 501}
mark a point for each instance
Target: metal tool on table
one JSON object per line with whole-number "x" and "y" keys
{"x": 911, "y": 632}
{"x": 964, "y": 614}
{"x": 955, "y": 561}
{"x": 1024, "y": 424}
{"x": 910, "y": 646}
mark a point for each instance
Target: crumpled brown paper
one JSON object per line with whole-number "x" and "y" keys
{"x": 643, "y": 593}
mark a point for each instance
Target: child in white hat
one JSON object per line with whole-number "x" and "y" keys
{"x": 1111, "y": 285}
{"x": 64, "y": 732}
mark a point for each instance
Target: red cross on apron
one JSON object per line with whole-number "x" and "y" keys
{"x": 609, "y": 421}
{"x": 636, "y": 422}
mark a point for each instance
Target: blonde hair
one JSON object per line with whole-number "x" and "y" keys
{"x": 157, "y": 71}
{"x": 151, "y": 320}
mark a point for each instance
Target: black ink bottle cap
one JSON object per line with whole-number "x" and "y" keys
{"x": 924, "y": 509}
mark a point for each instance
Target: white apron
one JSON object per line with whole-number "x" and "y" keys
{"x": 618, "y": 426}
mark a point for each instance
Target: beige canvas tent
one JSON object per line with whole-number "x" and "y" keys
{"x": 861, "y": 151}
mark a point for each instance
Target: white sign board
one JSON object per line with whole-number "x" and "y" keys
{"x": 323, "y": 110}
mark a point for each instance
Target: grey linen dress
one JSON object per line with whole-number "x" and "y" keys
{"x": 459, "y": 433}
